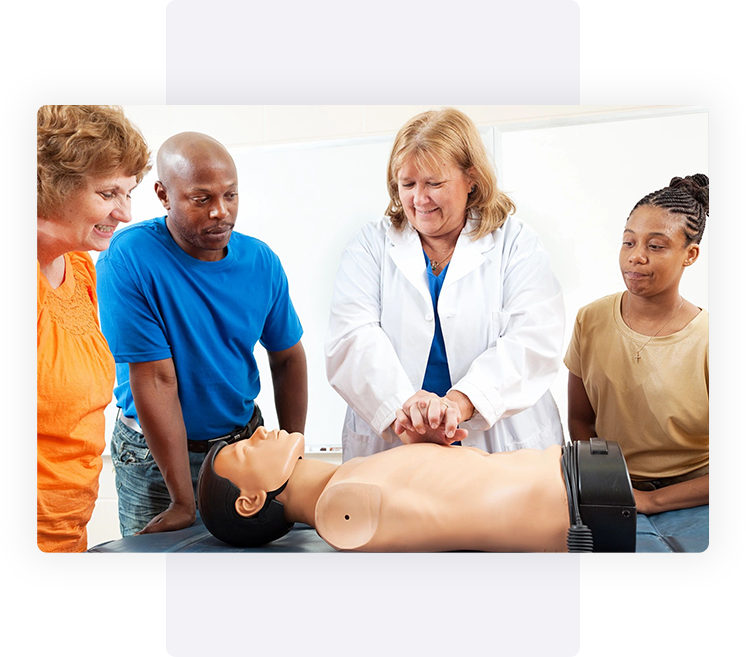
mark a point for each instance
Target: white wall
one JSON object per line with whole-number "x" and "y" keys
{"x": 576, "y": 185}
{"x": 310, "y": 176}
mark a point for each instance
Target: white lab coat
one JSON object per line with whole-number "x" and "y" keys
{"x": 502, "y": 315}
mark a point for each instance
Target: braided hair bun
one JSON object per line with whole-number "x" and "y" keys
{"x": 689, "y": 197}
{"x": 698, "y": 186}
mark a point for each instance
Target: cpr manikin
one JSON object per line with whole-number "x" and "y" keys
{"x": 419, "y": 497}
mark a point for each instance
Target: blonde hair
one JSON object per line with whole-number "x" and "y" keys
{"x": 77, "y": 142}
{"x": 448, "y": 137}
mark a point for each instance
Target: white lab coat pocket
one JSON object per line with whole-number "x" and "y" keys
{"x": 497, "y": 327}
{"x": 536, "y": 429}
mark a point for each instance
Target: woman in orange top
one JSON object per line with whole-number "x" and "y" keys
{"x": 89, "y": 159}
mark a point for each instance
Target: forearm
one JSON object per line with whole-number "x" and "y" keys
{"x": 290, "y": 385}
{"x": 684, "y": 495}
{"x": 155, "y": 391}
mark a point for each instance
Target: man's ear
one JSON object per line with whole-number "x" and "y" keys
{"x": 249, "y": 504}
{"x": 162, "y": 194}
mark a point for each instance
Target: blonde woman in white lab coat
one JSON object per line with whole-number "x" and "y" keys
{"x": 446, "y": 321}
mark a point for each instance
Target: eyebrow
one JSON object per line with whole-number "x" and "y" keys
{"x": 207, "y": 190}
{"x": 628, "y": 230}
{"x": 439, "y": 178}
{"x": 115, "y": 187}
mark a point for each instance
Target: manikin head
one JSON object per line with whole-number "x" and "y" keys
{"x": 238, "y": 485}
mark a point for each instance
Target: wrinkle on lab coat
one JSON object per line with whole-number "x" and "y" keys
{"x": 502, "y": 315}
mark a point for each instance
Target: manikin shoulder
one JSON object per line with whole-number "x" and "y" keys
{"x": 347, "y": 514}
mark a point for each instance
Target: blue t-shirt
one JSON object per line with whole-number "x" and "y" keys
{"x": 158, "y": 302}
{"x": 437, "y": 377}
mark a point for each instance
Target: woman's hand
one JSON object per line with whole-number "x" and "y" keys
{"x": 425, "y": 417}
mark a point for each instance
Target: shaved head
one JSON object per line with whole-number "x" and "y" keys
{"x": 186, "y": 153}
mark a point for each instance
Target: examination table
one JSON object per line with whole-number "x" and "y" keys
{"x": 685, "y": 530}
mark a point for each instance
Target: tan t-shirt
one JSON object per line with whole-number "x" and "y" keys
{"x": 656, "y": 408}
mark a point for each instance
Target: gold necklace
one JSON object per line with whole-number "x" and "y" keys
{"x": 668, "y": 321}
{"x": 434, "y": 264}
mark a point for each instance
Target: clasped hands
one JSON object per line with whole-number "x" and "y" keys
{"x": 427, "y": 418}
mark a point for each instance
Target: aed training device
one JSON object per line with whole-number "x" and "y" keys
{"x": 603, "y": 515}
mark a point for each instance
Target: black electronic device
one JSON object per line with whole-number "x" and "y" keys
{"x": 603, "y": 515}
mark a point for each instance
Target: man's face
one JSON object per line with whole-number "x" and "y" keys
{"x": 201, "y": 196}
{"x": 264, "y": 462}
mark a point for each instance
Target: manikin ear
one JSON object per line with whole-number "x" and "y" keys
{"x": 249, "y": 504}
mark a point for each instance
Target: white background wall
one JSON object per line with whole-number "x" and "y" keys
{"x": 311, "y": 176}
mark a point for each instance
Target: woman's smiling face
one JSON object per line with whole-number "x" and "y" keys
{"x": 88, "y": 218}
{"x": 434, "y": 202}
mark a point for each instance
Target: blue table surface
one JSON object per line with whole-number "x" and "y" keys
{"x": 685, "y": 530}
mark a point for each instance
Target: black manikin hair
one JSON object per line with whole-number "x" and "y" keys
{"x": 216, "y": 502}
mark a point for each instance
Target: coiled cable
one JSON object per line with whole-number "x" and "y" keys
{"x": 579, "y": 536}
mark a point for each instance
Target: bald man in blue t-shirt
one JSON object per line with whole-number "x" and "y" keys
{"x": 183, "y": 301}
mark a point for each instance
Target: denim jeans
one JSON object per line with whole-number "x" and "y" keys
{"x": 140, "y": 487}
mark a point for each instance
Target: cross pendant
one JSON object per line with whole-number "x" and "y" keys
{"x": 637, "y": 356}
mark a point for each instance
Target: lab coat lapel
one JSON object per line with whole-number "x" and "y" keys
{"x": 468, "y": 254}
{"x": 406, "y": 252}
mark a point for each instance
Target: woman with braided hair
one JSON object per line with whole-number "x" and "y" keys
{"x": 639, "y": 359}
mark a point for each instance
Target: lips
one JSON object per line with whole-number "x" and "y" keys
{"x": 219, "y": 230}
{"x": 104, "y": 229}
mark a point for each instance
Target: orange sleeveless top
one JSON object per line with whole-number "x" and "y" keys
{"x": 75, "y": 380}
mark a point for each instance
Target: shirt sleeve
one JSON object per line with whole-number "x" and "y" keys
{"x": 282, "y": 328}
{"x": 518, "y": 370}
{"x": 130, "y": 320}
{"x": 361, "y": 363}
{"x": 572, "y": 356}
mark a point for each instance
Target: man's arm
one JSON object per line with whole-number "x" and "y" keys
{"x": 290, "y": 383}
{"x": 155, "y": 391}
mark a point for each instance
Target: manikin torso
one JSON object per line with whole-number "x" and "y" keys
{"x": 426, "y": 497}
